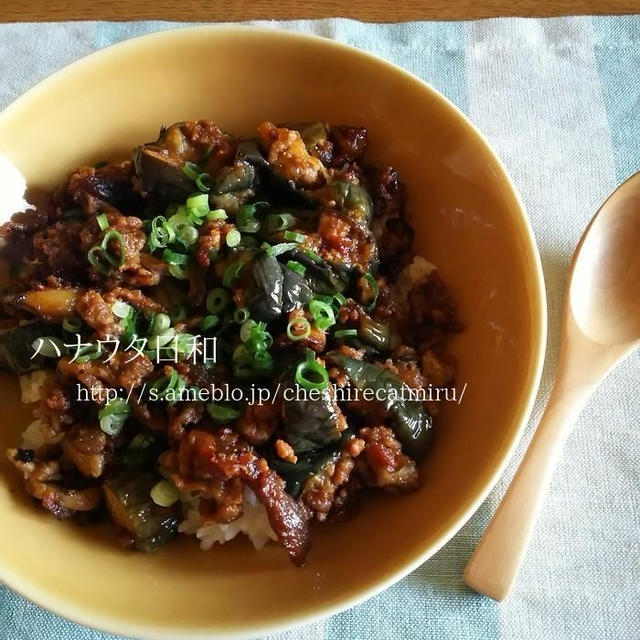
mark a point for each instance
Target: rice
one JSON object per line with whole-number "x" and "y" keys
{"x": 253, "y": 522}
{"x": 31, "y": 386}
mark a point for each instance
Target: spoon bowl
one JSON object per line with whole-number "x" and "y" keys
{"x": 605, "y": 284}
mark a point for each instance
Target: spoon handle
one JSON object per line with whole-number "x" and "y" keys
{"x": 495, "y": 562}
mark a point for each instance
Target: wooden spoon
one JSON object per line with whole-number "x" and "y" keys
{"x": 601, "y": 327}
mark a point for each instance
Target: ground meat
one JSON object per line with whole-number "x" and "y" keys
{"x": 285, "y": 451}
{"x": 87, "y": 447}
{"x": 136, "y": 298}
{"x": 316, "y": 340}
{"x": 258, "y": 422}
{"x": 223, "y": 455}
{"x": 188, "y": 413}
{"x": 342, "y": 240}
{"x": 97, "y": 313}
{"x": 42, "y": 480}
{"x": 58, "y": 247}
{"x": 212, "y": 234}
{"x": 439, "y": 370}
{"x": 349, "y": 144}
{"x": 434, "y": 310}
{"x": 287, "y": 153}
{"x": 383, "y": 464}
{"x": 320, "y": 490}
{"x": 112, "y": 183}
{"x": 126, "y": 370}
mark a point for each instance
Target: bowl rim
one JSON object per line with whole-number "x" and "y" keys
{"x": 111, "y": 624}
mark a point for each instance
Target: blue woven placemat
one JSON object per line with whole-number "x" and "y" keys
{"x": 560, "y": 101}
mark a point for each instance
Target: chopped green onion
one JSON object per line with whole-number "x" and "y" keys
{"x": 188, "y": 236}
{"x": 371, "y": 281}
{"x": 245, "y": 219}
{"x": 217, "y": 214}
{"x": 159, "y": 324}
{"x": 178, "y": 313}
{"x": 246, "y": 330}
{"x": 49, "y": 347}
{"x": 204, "y": 182}
{"x": 280, "y": 221}
{"x": 217, "y": 300}
{"x": 173, "y": 257}
{"x": 263, "y": 362}
{"x": 164, "y": 493}
{"x": 198, "y": 201}
{"x": 191, "y": 170}
{"x": 161, "y": 339}
{"x": 311, "y": 375}
{"x": 294, "y": 265}
{"x": 233, "y": 238}
{"x": 241, "y": 315}
{"x": 121, "y": 309}
{"x": 171, "y": 383}
{"x": 240, "y": 353}
{"x": 339, "y": 298}
{"x": 232, "y": 272}
{"x": 209, "y": 322}
{"x": 115, "y": 260}
{"x": 103, "y": 221}
{"x": 94, "y": 256}
{"x": 345, "y": 333}
{"x": 179, "y": 271}
{"x": 281, "y": 248}
{"x": 322, "y": 313}
{"x": 223, "y": 413}
{"x": 113, "y": 416}
{"x": 298, "y": 329}
{"x": 293, "y": 236}
{"x": 72, "y": 324}
{"x": 88, "y": 352}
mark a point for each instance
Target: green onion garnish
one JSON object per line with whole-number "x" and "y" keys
{"x": 173, "y": 257}
{"x": 345, "y": 333}
{"x": 294, "y": 265}
{"x": 164, "y": 493}
{"x": 161, "y": 339}
{"x": 298, "y": 329}
{"x": 245, "y": 219}
{"x": 311, "y": 375}
{"x": 204, "y": 182}
{"x": 241, "y": 315}
{"x": 233, "y": 238}
{"x": 209, "y": 322}
{"x": 188, "y": 236}
{"x": 179, "y": 271}
{"x": 322, "y": 313}
{"x": 191, "y": 170}
{"x": 95, "y": 257}
{"x": 217, "y": 214}
{"x": 172, "y": 383}
{"x": 223, "y": 413}
{"x": 232, "y": 272}
{"x": 103, "y": 221}
{"x": 178, "y": 313}
{"x": 198, "y": 201}
{"x": 339, "y": 298}
{"x": 72, "y": 324}
{"x": 281, "y": 248}
{"x": 280, "y": 221}
{"x": 246, "y": 330}
{"x": 113, "y": 416}
{"x": 115, "y": 260}
{"x": 293, "y": 236}
{"x": 371, "y": 281}
{"x": 121, "y": 309}
{"x": 49, "y": 347}
{"x": 159, "y": 324}
{"x": 88, "y": 352}
{"x": 217, "y": 300}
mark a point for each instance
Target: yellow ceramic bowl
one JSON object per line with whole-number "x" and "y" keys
{"x": 468, "y": 220}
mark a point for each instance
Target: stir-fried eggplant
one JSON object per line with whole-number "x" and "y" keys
{"x": 16, "y": 347}
{"x": 266, "y": 295}
{"x": 411, "y": 423}
{"x": 130, "y": 505}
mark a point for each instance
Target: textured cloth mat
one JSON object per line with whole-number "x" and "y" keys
{"x": 559, "y": 100}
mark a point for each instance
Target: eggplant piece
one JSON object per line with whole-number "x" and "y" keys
{"x": 162, "y": 175}
{"x": 375, "y": 334}
{"x": 354, "y": 199}
{"x": 266, "y": 295}
{"x": 279, "y": 190}
{"x": 322, "y": 277}
{"x": 16, "y": 352}
{"x": 130, "y": 505}
{"x": 296, "y": 292}
{"x": 238, "y": 177}
{"x": 311, "y": 421}
{"x": 50, "y": 304}
{"x": 410, "y": 422}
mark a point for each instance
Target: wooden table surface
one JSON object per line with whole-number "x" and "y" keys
{"x": 367, "y": 10}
